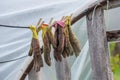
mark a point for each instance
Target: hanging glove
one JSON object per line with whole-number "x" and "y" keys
{"x": 38, "y": 62}
{"x": 51, "y": 37}
{"x": 31, "y": 50}
{"x": 72, "y": 37}
{"x": 46, "y": 42}
{"x": 35, "y": 46}
{"x": 68, "y": 48}
{"x": 59, "y": 38}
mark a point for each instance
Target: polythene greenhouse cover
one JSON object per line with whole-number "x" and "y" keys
{"x": 15, "y": 43}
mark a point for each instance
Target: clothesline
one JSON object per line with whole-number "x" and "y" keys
{"x": 23, "y": 27}
{"x": 10, "y": 26}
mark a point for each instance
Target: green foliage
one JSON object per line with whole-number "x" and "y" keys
{"x": 115, "y": 63}
{"x": 117, "y": 74}
{"x": 112, "y": 46}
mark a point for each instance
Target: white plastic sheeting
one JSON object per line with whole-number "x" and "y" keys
{"x": 83, "y": 61}
{"x": 15, "y": 43}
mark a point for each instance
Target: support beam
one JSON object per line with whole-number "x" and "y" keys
{"x": 27, "y": 70}
{"x": 81, "y": 13}
{"x": 98, "y": 46}
{"x": 113, "y": 35}
{"x": 112, "y": 4}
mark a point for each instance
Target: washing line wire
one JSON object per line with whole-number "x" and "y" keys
{"x": 9, "y": 26}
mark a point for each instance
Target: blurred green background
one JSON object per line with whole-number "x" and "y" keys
{"x": 115, "y": 59}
